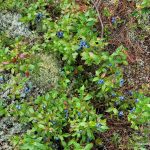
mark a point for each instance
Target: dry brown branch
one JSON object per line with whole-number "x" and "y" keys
{"x": 99, "y": 16}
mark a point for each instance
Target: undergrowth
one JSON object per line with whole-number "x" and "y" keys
{"x": 90, "y": 83}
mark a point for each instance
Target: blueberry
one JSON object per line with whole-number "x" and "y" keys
{"x": 116, "y": 103}
{"x": 113, "y": 94}
{"x": 89, "y": 139}
{"x": 117, "y": 73}
{"x": 67, "y": 114}
{"x": 60, "y": 34}
{"x": 132, "y": 110}
{"x": 101, "y": 81}
{"x": 120, "y": 113}
{"x": 110, "y": 65}
{"x": 44, "y": 106}
{"x": 66, "y": 110}
{"x": 121, "y": 82}
{"x": 56, "y": 138}
{"x": 1, "y": 79}
{"x": 130, "y": 93}
{"x": 53, "y": 122}
{"x": 137, "y": 100}
{"x": 22, "y": 95}
{"x": 98, "y": 125}
{"x": 83, "y": 44}
{"x": 79, "y": 114}
{"x": 113, "y": 19}
{"x": 18, "y": 107}
{"x": 39, "y": 16}
{"x": 26, "y": 90}
{"x": 121, "y": 98}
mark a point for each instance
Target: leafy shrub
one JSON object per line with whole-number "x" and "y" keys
{"x": 140, "y": 114}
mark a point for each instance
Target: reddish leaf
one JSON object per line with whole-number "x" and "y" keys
{"x": 27, "y": 74}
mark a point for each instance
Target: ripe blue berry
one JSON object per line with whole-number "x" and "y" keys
{"x": 137, "y": 100}
{"x": 66, "y": 113}
{"x": 132, "y": 110}
{"x": 39, "y": 17}
{"x": 113, "y": 19}
{"x": 117, "y": 73}
{"x": 83, "y": 44}
{"x": 44, "y": 106}
{"x": 101, "y": 81}
{"x": 98, "y": 125}
{"x": 121, "y": 98}
{"x": 121, "y": 82}
{"x": 130, "y": 93}
{"x": 120, "y": 113}
{"x": 18, "y": 107}
{"x": 26, "y": 90}
{"x": 116, "y": 103}
{"x": 1, "y": 80}
{"x": 79, "y": 114}
{"x": 60, "y": 34}
{"x": 113, "y": 94}
{"x": 56, "y": 138}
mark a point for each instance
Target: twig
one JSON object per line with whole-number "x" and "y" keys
{"x": 99, "y": 16}
{"x": 98, "y": 3}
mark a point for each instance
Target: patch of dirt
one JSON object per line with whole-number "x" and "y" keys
{"x": 137, "y": 73}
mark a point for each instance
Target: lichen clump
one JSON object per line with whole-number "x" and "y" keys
{"x": 11, "y": 25}
{"x": 46, "y": 75}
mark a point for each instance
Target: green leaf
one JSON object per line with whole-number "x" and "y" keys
{"x": 87, "y": 97}
{"x": 47, "y": 96}
{"x": 88, "y": 146}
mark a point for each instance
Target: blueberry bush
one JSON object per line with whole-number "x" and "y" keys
{"x": 67, "y": 102}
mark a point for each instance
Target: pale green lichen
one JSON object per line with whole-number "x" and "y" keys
{"x": 10, "y": 24}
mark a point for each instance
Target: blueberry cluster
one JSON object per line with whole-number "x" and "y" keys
{"x": 83, "y": 44}
{"x": 101, "y": 81}
{"x": 60, "y": 34}
{"x": 39, "y": 17}
{"x": 66, "y": 113}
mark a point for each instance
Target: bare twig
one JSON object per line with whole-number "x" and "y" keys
{"x": 96, "y": 5}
